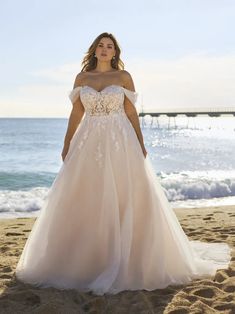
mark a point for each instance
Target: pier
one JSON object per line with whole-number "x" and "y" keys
{"x": 191, "y": 112}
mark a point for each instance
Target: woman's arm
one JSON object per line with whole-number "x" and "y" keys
{"x": 131, "y": 111}
{"x": 74, "y": 119}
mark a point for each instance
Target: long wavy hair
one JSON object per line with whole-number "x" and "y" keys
{"x": 90, "y": 61}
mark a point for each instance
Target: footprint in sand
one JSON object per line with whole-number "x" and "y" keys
{"x": 231, "y": 232}
{"x": 7, "y": 269}
{"x": 207, "y": 218}
{"x": 225, "y": 306}
{"x": 229, "y": 285}
{"x": 230, "y": 272}
{"x": 178, "y": 310}
{"x": 224, "y": 236}
{"x": 13, "y": 234}
{"x": 209, "y": 239}
{"x": 9, "y": 242}
{"x": 207, "y": 293}
{"x": 220, "y": 276}
{"x": 193, "y": 233}
{"x": 5, "y": 276}
{"x": 4, "y": 249}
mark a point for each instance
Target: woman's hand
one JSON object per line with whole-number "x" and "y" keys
{"x": 64, "y": 152}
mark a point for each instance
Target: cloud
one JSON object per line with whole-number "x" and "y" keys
{"x": 37, "y": 100}
{"x": 192, "y": 81}
{"x": 59, "y": 74}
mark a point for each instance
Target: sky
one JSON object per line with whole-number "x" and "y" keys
{"x": 180, "y": 53}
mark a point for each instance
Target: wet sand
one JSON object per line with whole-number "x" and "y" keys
{"x": 212, "y": 295}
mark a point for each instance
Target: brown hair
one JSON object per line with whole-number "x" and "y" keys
{"x": 89, "y": 62}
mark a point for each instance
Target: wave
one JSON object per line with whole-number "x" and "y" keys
{"x": 198, "y": 185}
{"x": 179, "y": 187}
{"x": 22, "y": 203}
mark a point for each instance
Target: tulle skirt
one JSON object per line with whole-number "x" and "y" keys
{"x": 107, "y": 226}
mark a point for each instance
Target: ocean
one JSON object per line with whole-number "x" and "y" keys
{"x": 193, "y": 158}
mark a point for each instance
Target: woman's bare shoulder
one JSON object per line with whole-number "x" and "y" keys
{"x": 125, "y": 73}
{"x": 79, "y": 79}
{"x": 127, "y": 80}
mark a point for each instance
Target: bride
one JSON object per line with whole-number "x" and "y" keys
{"x": 106, "y": 225}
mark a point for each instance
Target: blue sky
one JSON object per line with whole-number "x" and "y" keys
{"x": 179, "y": 53}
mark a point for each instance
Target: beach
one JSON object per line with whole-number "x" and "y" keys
{"x": 209, "y": 295}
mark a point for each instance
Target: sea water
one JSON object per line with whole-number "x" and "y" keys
{"x": 194, "y": 159}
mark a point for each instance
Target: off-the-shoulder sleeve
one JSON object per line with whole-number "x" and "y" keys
{"x": 74, "y": 94}
{"x": 132, "y": 96}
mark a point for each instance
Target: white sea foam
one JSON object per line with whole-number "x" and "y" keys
{"x": 184, "y": 189}
{"x": 22, "y": 203}
{"x": 195, "y": 185}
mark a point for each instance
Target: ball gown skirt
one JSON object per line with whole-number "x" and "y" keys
{"x": 106, "y": 224}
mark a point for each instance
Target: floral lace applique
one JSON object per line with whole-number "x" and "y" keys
{"x": 108, "y": 101}
{"x": 120, "y": 124}
{"x": 83, "y": 139}
{"x": 115, "y": 141}
{"x": 98, "y": 155}
{"x": 104, "y": 115}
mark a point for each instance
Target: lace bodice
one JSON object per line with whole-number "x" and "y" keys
{"x": 104, "y": 102}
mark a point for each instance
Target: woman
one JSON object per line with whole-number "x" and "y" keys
{"x": 107, "y": 225}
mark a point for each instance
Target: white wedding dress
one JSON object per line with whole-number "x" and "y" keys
{"x": 106, "y": 225}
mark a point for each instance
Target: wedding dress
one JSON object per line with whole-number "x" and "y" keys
{"x": 106, "y": 225}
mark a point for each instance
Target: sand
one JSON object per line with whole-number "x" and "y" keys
{"x": 212, "y": 295}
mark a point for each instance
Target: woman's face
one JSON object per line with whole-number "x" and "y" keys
{"x": 105, "y": 49}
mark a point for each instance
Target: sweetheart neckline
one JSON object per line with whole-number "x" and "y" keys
{"x": 102, "y": 88}
{"x": 132, "y": 95}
